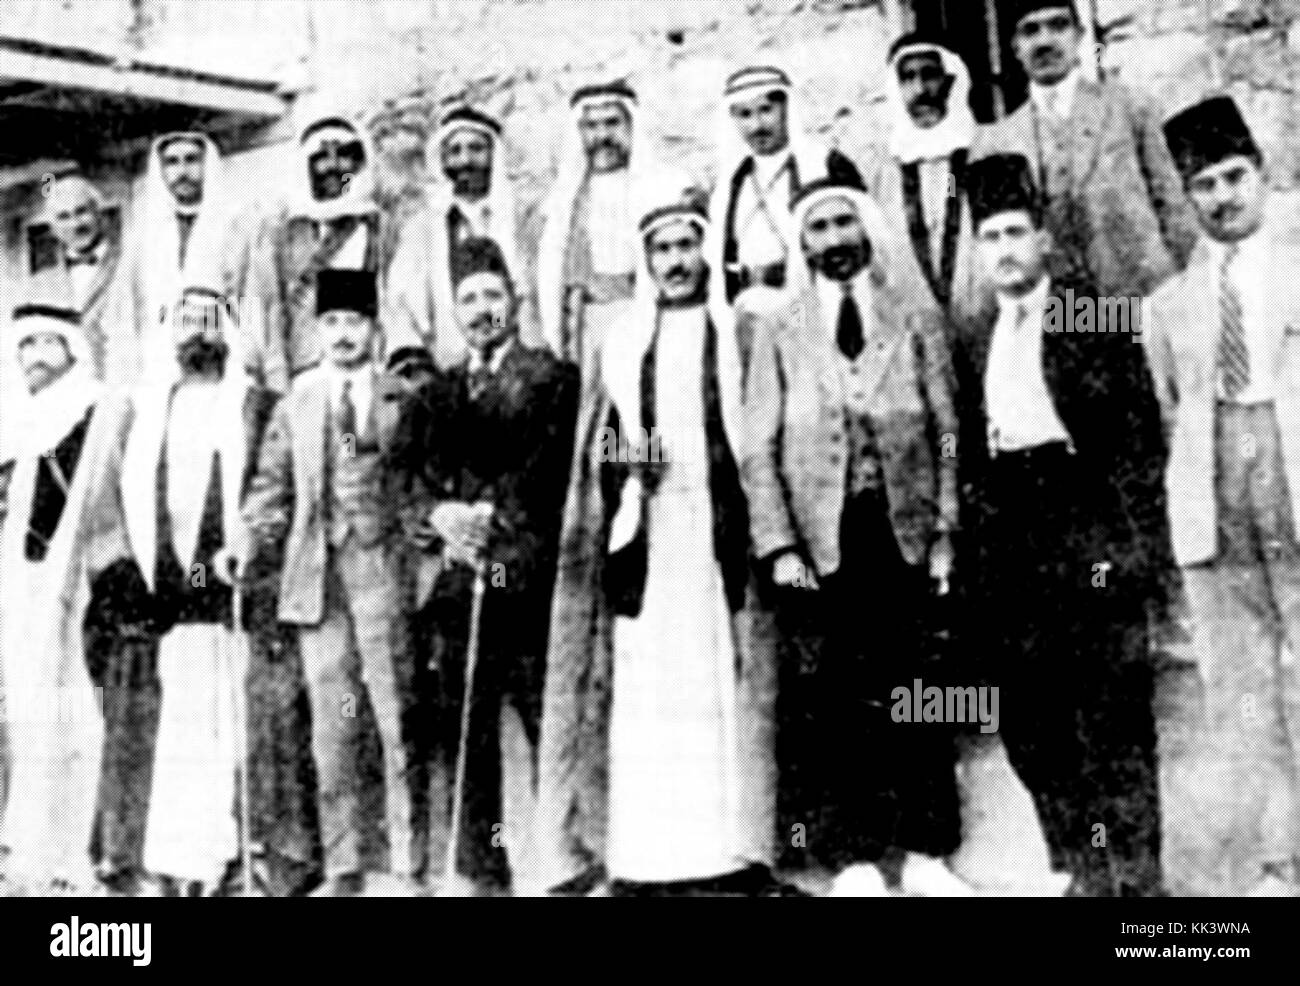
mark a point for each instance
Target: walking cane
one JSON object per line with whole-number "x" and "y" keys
{"x": 462, "y": 744}
{"x": 235, "y": 642}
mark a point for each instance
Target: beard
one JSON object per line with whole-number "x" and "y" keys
{"x": 840, "y": 263}
{"x": 201, "y": 357}
{"x": 470, "y": 182}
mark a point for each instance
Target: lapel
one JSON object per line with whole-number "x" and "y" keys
{"x": 819, "y": 347}
{"x": 1200, "y": 321}
{"x": 312, "y": 442}
{"x": 1090, "y": 120}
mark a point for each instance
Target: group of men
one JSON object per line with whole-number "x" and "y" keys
{"x": 615, "y": 596}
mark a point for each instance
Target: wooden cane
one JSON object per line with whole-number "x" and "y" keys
{"x": 462, "y": 744}
{"x": 235, "y": 642}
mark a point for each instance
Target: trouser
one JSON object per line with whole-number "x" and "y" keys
{"x": 506, "y": 689}
{"x": 855, "y": 783}
{"x": 353, "y": 655}
{"x": 1068, "y": 646}
{"x": 1245, "y": 615}
{"x": 128, "y": 676}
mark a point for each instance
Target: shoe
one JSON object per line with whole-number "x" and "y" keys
{"x": 1271, "y": 885}
{"x": 390, "y": 885}
{"x": 859, "y": 880}
{"x": 581, "y": 885}
{"x": 926, "y": 876}
{"x": 344, "y": 885}
{"x": 461, "y": 886}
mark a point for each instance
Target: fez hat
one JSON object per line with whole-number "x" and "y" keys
{"x": 1001, "y": 183}
{"x": 1023, "y": 8}
{"x": 346, "y": 290}
{"x": 478, "y": 255}
{"x": 1208, "y": 133}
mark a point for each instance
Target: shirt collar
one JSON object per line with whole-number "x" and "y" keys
{"x": 1063, "y": 93}
{"x": 498, "y": 357}
{"x": 1250, "y": 254}
{"x": 768, "y": 166}
{"x": 360, "y": 377}
{"x": 1037, "y": 297}
{"x": 99, "y": 251}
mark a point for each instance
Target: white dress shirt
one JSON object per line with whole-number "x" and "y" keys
{"x": 759, "y": 238}
{"x": 1021, "y": 412}
{"x": 1248, "y": 271}
{"x": 191, "y": 444}
{"x": 362, "y": 379}
{"x": 1056, "y": 101}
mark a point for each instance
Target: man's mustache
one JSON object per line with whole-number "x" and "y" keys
{"x": 677, "y": 274}
{"x": 1047, "y": 51}
{"x": 483, "y": 323}
{"x": 1225, "y": 212}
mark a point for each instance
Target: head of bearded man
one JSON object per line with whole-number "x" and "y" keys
{"x": 181, "y": 160}
{"x": 336, "y": 155}
{"x": 44, "y": 354}
{"x": 199, "y": 335}
{"x": 834, "y": 236}
{"x": 926, "y": 86}
{"x": 605, "y": 125}
{"x": 467, "y": 147}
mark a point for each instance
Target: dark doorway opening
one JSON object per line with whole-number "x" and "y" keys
{"x": 980, "y": 31}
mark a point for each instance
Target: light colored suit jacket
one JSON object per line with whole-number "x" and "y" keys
{"x": 287, "y": 500}
{"x": 795, "y": 446}
{"x": 1125, "y": 217}
{"x": 1182, "y": 340}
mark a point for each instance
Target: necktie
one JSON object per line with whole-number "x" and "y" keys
{"x": 184, "y": 227}
{"x": 848, "y": 333}
{"x": 1234, "y": 358}
{"x": 478, "y": 381}
{"x": 347, "y": 417}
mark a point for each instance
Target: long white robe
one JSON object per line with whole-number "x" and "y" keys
{"x": 51, "y": 710}
{"x": 191, "y": 831}
{"x": 675, "y": 786}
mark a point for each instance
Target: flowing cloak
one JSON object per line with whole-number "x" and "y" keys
{"x": 56, "y": 749}
{"x": 281, "y": 775}
{"x": 573, "y": 783}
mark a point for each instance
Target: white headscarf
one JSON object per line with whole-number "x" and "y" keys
{"x": 151, "y": 402}
{"x": 646, "y": 175}
{"x": 501, "y": 205}
{"x": 358, "y": 198}
{"x": 799, "y": 272}
{"x": 35, "y": 423}
{"x": 155, "y": 242}
{"x": 621, "y": 364}
{"x": 907, "y": 141}
{"x": 809, "y": 156}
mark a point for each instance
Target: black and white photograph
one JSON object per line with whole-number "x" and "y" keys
{"x": 614, "y": 448}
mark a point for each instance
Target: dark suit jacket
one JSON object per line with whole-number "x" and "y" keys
{"x": 1103, "y": 393}
{"x": 512, "y": 446}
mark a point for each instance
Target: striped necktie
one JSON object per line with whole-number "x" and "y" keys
{"x": 1234, "y": 358}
